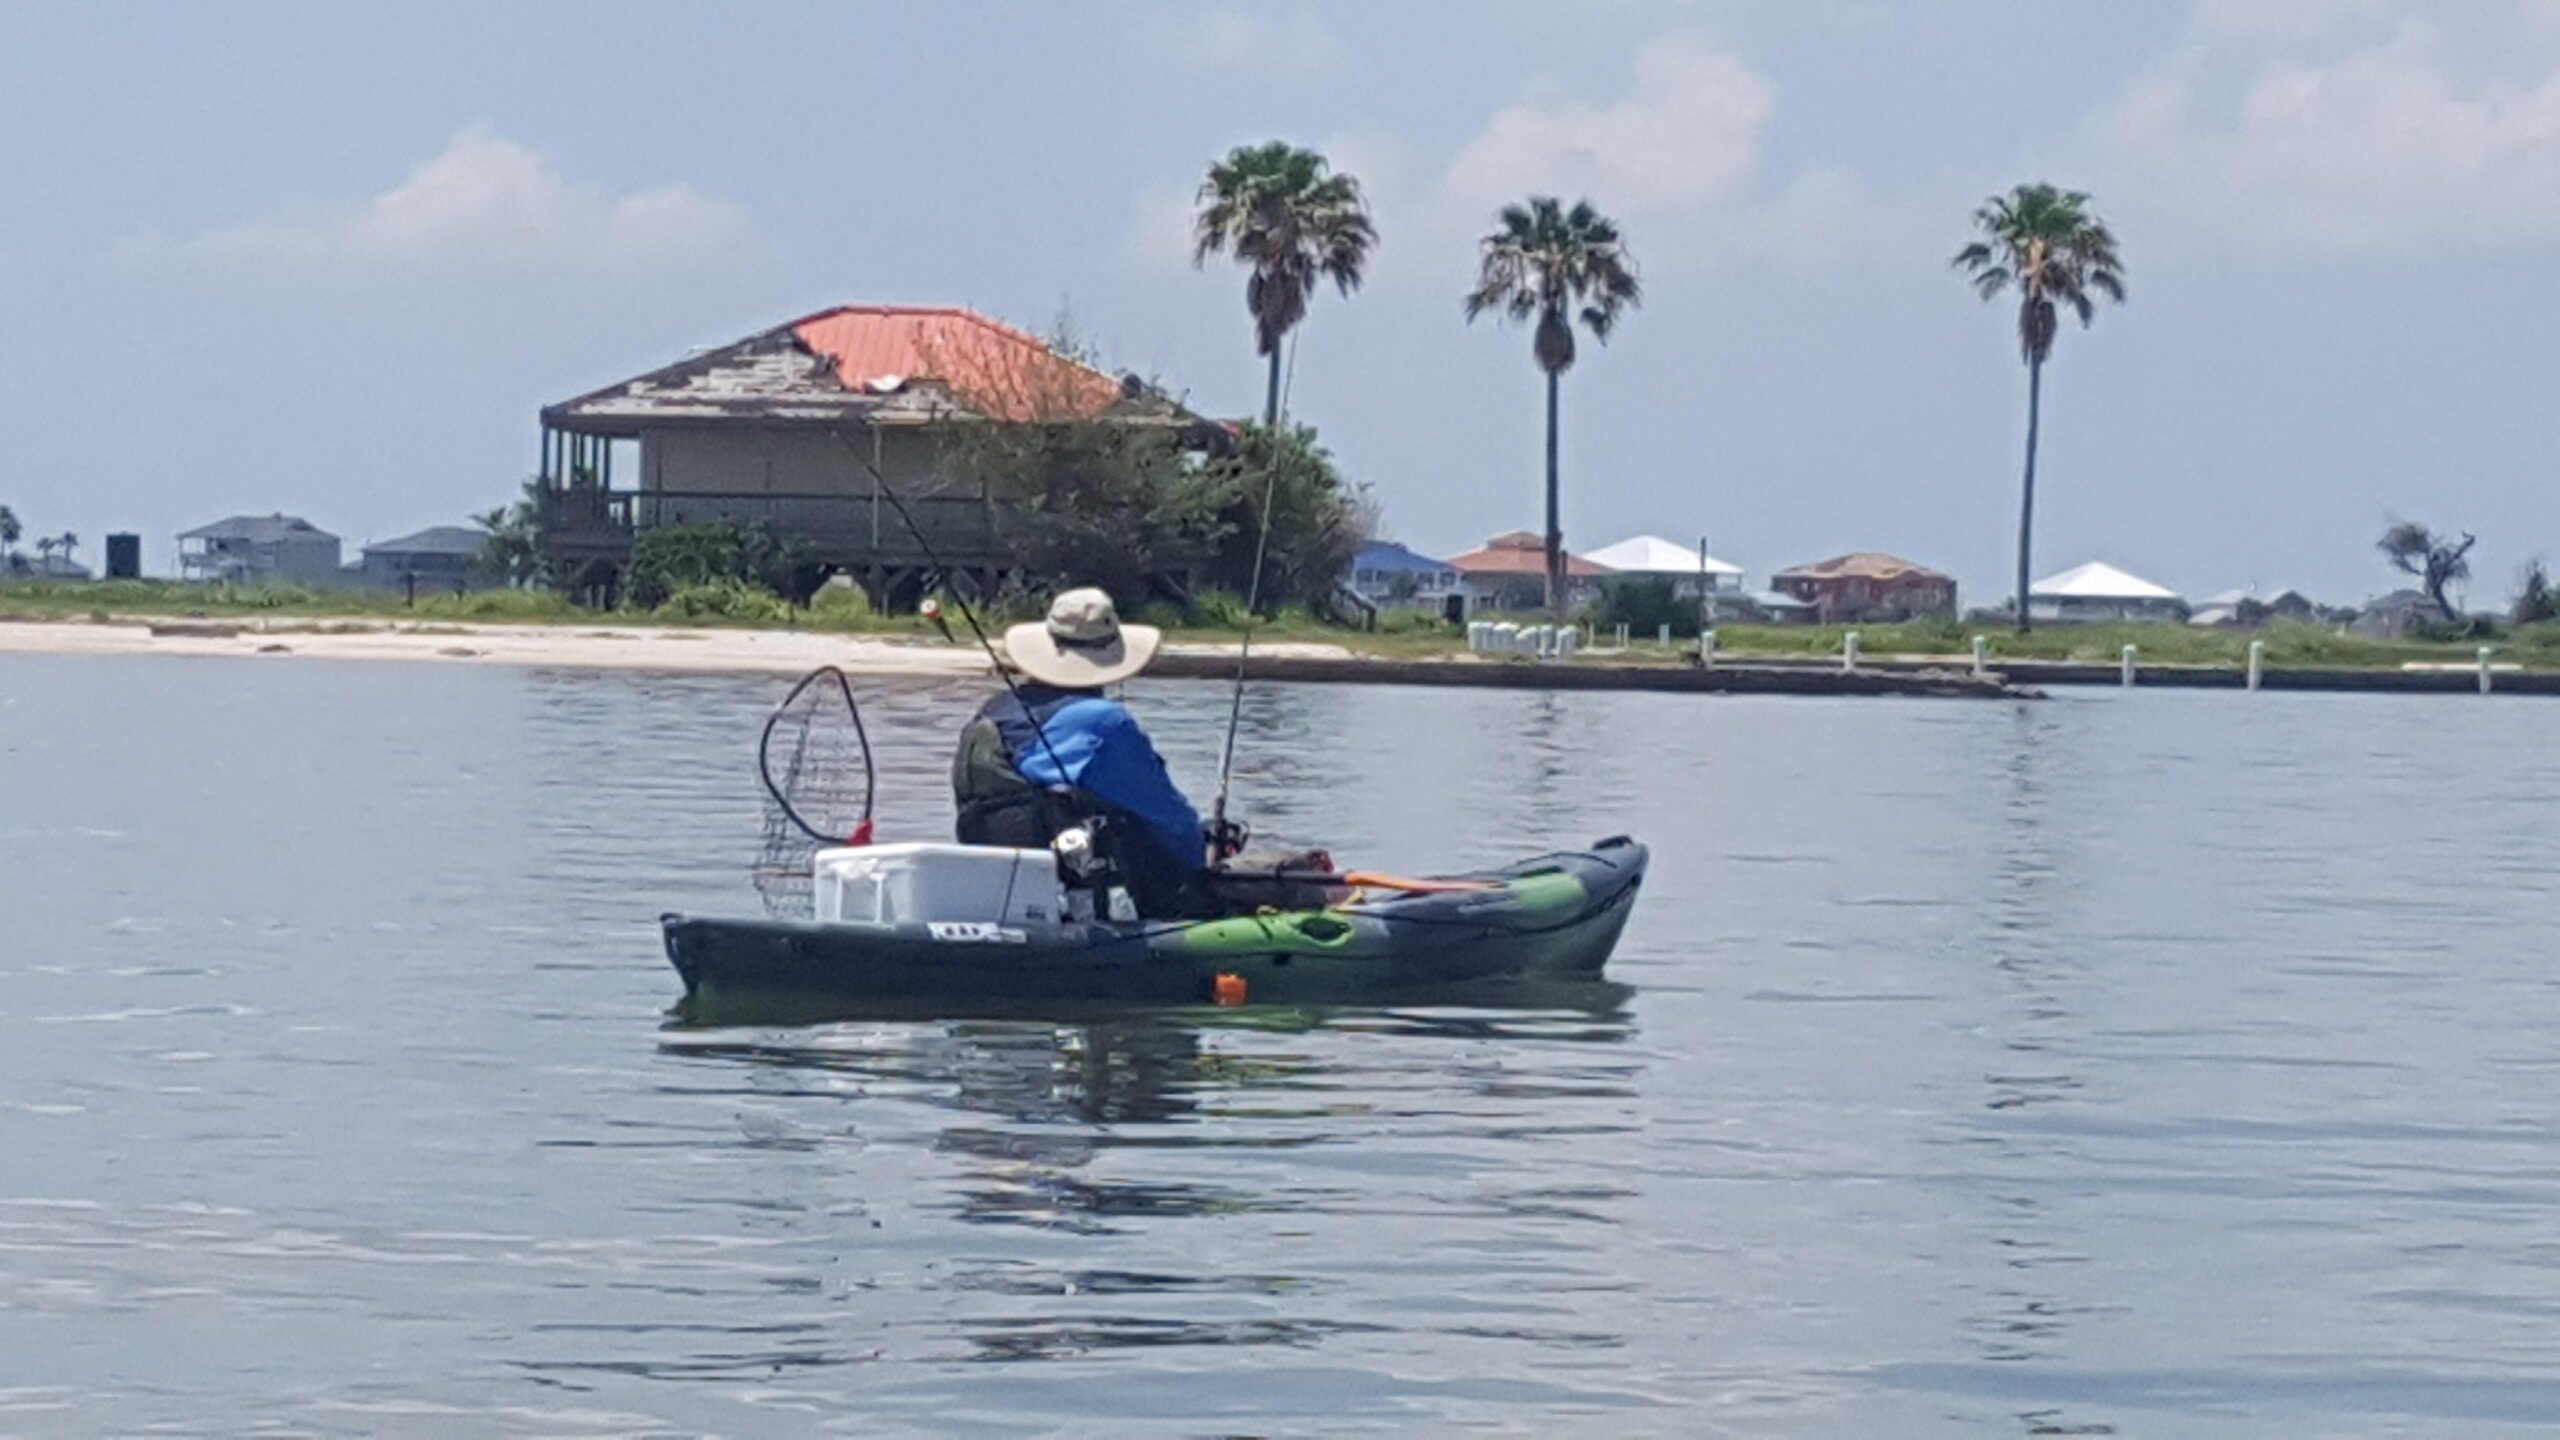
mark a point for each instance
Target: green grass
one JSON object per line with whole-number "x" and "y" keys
{"x": 841, "y": 611}
{"x": 2290, "y": 644}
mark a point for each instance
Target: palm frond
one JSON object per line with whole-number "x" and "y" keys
{"x": 1555, "y": 264}
{"x": 2044, "y": 241}
{"x": 1280, "y": 210}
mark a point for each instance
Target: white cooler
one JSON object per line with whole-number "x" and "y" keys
{"x": 928, "y": 884}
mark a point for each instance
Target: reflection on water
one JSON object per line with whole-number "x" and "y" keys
{"x": 2128, "y": 1064}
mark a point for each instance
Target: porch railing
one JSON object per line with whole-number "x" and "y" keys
{"x": 839, "y": 529}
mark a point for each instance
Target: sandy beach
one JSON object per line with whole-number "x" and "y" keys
{"x": 617, "y": 647}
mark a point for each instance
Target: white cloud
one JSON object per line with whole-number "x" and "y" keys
{"x": 2383, "y": 140}
{"x": 1298, "y": 42}
{"x": 1684, "y": 138}
{"x": 1676, "y": 155}
{"x": 482, "y": 202}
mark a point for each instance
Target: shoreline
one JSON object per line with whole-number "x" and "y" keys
{"x": 746, "y": 650}
{"x": 597, "y": 647}
{"x": 795, "y": 652}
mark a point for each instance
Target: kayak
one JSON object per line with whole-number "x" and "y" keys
{"x": 1555, "y": 914}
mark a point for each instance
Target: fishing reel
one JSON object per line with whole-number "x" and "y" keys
{"x": 1080, "y": 857}
{"x": 1226, "y": 838}
{"x": 1091, "y": 880}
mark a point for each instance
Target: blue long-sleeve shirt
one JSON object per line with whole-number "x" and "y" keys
{"x": 1096, "y": 745}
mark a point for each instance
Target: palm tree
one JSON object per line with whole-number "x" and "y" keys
{"x": 513, "y": 551}
{"x": 1283, "y": 212}
{"x": 2045, "y": 242}
{"x": 9, "y": 531}
{"x": 1540, "y": 262}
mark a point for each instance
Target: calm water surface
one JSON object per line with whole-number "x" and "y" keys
{"x": 2163, "y": 1064}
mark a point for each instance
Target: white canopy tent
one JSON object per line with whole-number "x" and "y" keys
{"x": 1653, "y": 556}
{"x": 2100, "y": 591}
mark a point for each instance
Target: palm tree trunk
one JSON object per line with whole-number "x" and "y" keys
{"x": 2027, "y": 501}
{"x": 1555, "y": 524}
{"x": 1271, "y": 393}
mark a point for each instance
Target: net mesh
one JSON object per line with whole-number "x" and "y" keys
{"x": 815, "y": 761}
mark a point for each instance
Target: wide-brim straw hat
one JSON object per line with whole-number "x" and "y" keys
{"x": 1082, "y": 645}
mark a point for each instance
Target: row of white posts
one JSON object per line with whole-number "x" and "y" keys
{"x": 1557, "y": 641}
{"x": 2127, "y": 663}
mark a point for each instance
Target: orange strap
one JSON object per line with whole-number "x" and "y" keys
{"x": 1375, "y": 881}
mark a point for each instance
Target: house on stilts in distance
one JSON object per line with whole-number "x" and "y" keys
{"x": 817, "y": 431}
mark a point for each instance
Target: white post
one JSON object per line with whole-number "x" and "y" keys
{"x": 1707, "y": 648}
{"x": 1849, "y": 651}
{"x": 1981, "y": 655}
{"x": 1622, "y": 634}
{"x": 1663, "y": 637}
{"x": 2127, "y": 676}
{"x": 2484, "y": 669}
{"x": 2257, "y": 661}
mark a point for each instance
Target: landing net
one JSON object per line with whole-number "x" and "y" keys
{"x": 815, "y": 761}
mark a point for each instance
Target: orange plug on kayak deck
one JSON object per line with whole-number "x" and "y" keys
{"x": 1227, "y": 989}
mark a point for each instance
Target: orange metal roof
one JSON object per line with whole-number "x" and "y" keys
{"x": 1860, "y": 565}
{"x": 1519, "y": 552}
{"x": 1004, "y": 373}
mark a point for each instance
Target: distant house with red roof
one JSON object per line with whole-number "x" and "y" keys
{"x": 799, "y": 429}
{"x": 1510, "y": 573}
{"x": 1867, "y": 585}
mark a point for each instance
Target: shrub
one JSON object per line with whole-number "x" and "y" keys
{"x": 1407, "y": 621}
{"x": 840, "y": 607}
{"x": 2535, "y": 599}
{"x": 267, "y": 595}
{"x": 669, "y": 558}
{"x": 1645, "y": 606}
{"x": 1129, "y": 509}
{"x": 724, "y": 600}
{"x": 500, "y": 605}
{"x": 1218, "y": 610}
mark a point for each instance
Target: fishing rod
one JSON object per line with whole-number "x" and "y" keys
{"x": 880, "y": 487}
{"x": 1253, "y": 599}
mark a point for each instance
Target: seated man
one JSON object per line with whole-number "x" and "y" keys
{"x": 1054, "y": 751}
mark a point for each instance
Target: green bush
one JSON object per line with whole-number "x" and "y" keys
{"x": 840, "y": 606}
{"x": 1127, "y": 508}
{"x": 271, "y": 595}
{"x": 1404, "y": 620}
{"x": 724, "y": 600}
{"x": 499, "y": 605}
{"x": 1644, "y": 607}
{"x": 1218, "y": 610}
{"x": 669, "y": 558}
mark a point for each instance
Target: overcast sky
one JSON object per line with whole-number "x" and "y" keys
{"x": 331, "y": 258}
